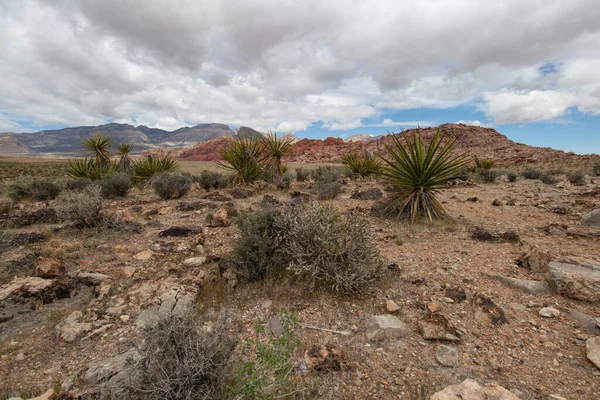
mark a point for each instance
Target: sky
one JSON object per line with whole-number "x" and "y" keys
{"x": 530, "y": 69}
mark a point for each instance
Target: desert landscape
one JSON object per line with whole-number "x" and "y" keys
{"x": 175, "y": 286}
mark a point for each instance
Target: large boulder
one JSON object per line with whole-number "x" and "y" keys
{"x": 592, "y": 218}
{"x": 576, "y": 281}
{"x": 470, "y": 390}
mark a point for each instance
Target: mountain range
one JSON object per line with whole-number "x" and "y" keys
{"x": 68, "y": 140}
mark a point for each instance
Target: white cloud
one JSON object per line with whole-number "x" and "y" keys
{"x": 474, "y": 122}
{"x": 388, "y": 122}
{"x": 508, "y": 107}
{"x": 75, "y": 62}
{"x": 337, "y": 126}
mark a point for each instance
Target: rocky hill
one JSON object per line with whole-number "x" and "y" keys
{"x": 477, "y": 141}
{"x": 12, "y": 145}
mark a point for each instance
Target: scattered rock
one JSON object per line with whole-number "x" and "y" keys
{"x": 391, "y": 306}
{"x": 587, "y": 322}
{"x": 112, "y": 377}
{"x": 240, "y": 193}
{"x": 447, "y": 355}
{"x": 382, "y": 327}
{"x": 324, "y": 358}
{"x": 549, "y": 312}
{"x": 270, "y": 201}
{"x": 195, "y": 261}
{"x": 92, "y": 278}
{"x": 128, "y": 271}
{"x": 525, "y": 285}
{"x": 371, "y": 194}
{"x": 27, "y": 238}
{"x": 276, "y": 326}
{"x": 438, "y": 327}
{"x": 457, "y": 294}
{"x": 221, "y": 218}
{"x": 496, "y": 203}
{"x": 180, "y": 231}
{"x": 144, "y": 255}
{"x": 434, "y": 306}
{"x": 216, "y": 196}
{"x": 472, "y": 199}
{"x": 50, "y": 268}
{"x": 175, "y": 301}
{"x": 592, "y": 218}
{"x": 487, "y": 311}
{"x": 534, "y": 260}
{"x": 30, "y": 286}
{"x": 231, "y": 277}
{"x": 470, "y": 390}
{"x": 71, "y": 328}
{"x": 576, "y": 281}
{"x": 592, "y": 348}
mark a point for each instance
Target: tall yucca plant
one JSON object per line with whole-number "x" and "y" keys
{"x": 245, "y": 158}
{"x": 98, "y": 147}
{"x": 123, "y": 151}
{"x": 277, "y": 147}
{"x": 89, "y": 168}
{"x": 418, "y": 171}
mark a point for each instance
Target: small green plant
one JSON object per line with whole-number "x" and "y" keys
{"x": 244, "y": 157}
{"x": 326, "y": 174}
{"x": 488, "y": 175}
{"x": 115, "y": 185}
{"x": 487, "y": 163}
{"x": 144, "y": 169}
{"x": 576, "y": 178}
{"x": 171, "y": 185}
{"x": 302, "y": 174}
{"x": 418, "y": 171}
{"x": 511, "y": 176}
{"x": 266, "y": 371}
{"x": 362, "y": 166}
{"x": 531, "y": 173}
{"x": 212, "y": 180}
{"x": 548, "y": 179}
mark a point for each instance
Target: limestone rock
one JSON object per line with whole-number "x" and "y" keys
{"x": 175, "y": 301}
{"x": 391, "y": 306}
{"x": 576, "y": 281}
{"x": 72, "y": 328}
{"x": 437, "y": 327}
{"x": 592, "y": 347}
{"x": 534, "y": 260}
{"x": 470, "y": 390}
{"x": 112, "y": 376}
{"x": 587, "y": 322}
{"x": 222, "y": 217}
{"x": 92, "y": 278}
{"x": 50, "y": 268}
{"x": 525, "y": 285}
{"x": 549, "y": 312}
{"x": 195, "y": 261}
{"x": 447, "y": 355}
{"x": 383, "y": 327}
{"x": 592, "y": 218}
{"x": 144, "y": 255}
{"x": 29, "y": 286}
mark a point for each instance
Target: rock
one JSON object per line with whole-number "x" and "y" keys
{"x": 180, "y": 231}
{"x": 216, "y": 196}
{"x": 128, "y": 271}
{"x": 175, "y": 301}
{"x": 221, "y": 217}
{"x": 437, "y": 327}
{"x": 276, "y": 326}
{"x": 549, "y": 312}
{"x": 447, "y": 355}
{"x": 371, "y": 194}
{"x": 391, "y": 306}
{"x": 50, "y": 268}
{"x": 47, "y": 395}
{"x": 92, "y": 278}
{"x": 324, "y": 358}
{"x": 487, "y": 311}
{"x": 29, "y": 286}
{"x": 71, "y": 328}
{"x": 434, "y": 306}
{"x": 144, "y": 255}
{"x": 592, "y": 348}
{"x": 270, "y": 201}
{"x": 470, "y": 390}
{"x": 576, "y": 281}
{"x": 231, "y": 277}
{"x": 587, "y": 322}
{"x": 496, "y": 203}
{"x": 112, "y": 377}
{"x": 195, "y": 261}
{"x": 457, "y": 294}
{"x": 240, "y": 193}
{"x": 592, "y": 218}
{"x": 383, "y": 327}
{"x": 525, "y": 285}
{"x": 534, "y": 260}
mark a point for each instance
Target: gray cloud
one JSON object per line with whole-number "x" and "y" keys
{"x": 287, "y": 64}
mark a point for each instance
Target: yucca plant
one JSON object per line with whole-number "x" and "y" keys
{"x": 123, "y": 151}
{"x": 245, "y": 158}
{"x": 362, "y": 166}
{"x": 97, "y": 146}
{"x": 275, "y": 148}
{"x": 418, "y": 171}
{"x": 146, "y": 168}
{"x": 487, "y": 163}
{"x": 89, "y": 168}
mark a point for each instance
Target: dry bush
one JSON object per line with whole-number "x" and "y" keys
{"x": 83, "y": 207}
{"x": 488, "y": 175}
{"x": 511, "y": 176}
{"x": 531, "y": 173}
{"x": 576, "y": 178}
{"x": 329, "y": 248}
{"x": 6, "y": 205}
{"x": 78, "y": 184}
{"x": 304, "y": 174}
{"x": 37, "y": 189}
{"x": 596, "y": 169}
{"x": 548, "y": 179}
{"x": 180, "y": 361}
{"x": 171, "y": 185}
{"x": 115, "y": 185}
{"x": 212, "y": 180}
{"x": 327, "y": 190}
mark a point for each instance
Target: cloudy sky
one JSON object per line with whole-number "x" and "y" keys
{"x": 530, "y": 69}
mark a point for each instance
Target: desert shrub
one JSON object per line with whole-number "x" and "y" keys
{"x": 254, "y": 249}
{"x": 418, "y": 171}
{"x": 329, "y": 248}
{"x": 144, "y": 169}
{"x": 18, "y": 191}
{"x": 6, "y": 205}
{"x": 326, "y": 174}
{"x": 576, "y": 178}
{"x": 77, "y": 184}
{"x": 212, "y": 180}
{"x": 487, "y": 163}
{"x": 36, "y": 189}
{"x": 362, "y": 166}
{"x": 83, "y": 207}
{"x": 115, "y": 185}
{"x": 531, "y": 173}
{"x": 180, "y": 360}
{"x": 511, "y": 176}
{"x": 596, "y": 169}
{"x": 488, "y": 175}
{"x": 548, "y": 179}
{"x": 286, "y": 181}
{"x": 556, "y": 171}
{"x": 327, "y": 190}
{"x": 302, "y": 174}
{"x": 171, "y": 185}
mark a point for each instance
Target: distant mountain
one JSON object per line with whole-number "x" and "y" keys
{"x": 68, "y": 140}
{"x": 12, "y": 145}
{"x": 361, "y": 137}
{"x": 249, "y": 133}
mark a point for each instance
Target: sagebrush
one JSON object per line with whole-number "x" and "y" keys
{"x": 171, "y": 185}
{"x": 83, "y": 207}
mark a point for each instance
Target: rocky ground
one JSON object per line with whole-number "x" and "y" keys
{"x": 503, "y": 302}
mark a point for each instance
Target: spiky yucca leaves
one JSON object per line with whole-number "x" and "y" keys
{"x": 362, "y": 166}
{"x": 146, "y": 168}
{"x": 89, "y": 168}
{"x": 245, "y": 158}
{"x": 123, "y": 151}
{"x": 277, "y": 147}
{"x": 418, "y": 171}
{"x": 97, "y": 146}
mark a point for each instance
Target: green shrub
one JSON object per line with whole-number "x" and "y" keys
{"x": 487, "y": 163}
{"x": 115, "y": 185}
{"x": 212, "y": 180}
{"x": 511, "y": 176}
{"x": 18, "y": 191}
{"x": 171, "y": 185}
{"x": 488, "y": 175}
{"x": 548, "y": 179}
{"x": 6, "y": 205}
{"x": 596, "y": 169}
{"x": 78, "y": 184}
{"x": 327, "y": 190}
{"x": 286, "y": 181}
{"x": 576, "y": 178}
{"x": 418, "y": 171}
{"x": 327, "y": 174}
{"x": 83, "y": 207}
{"x": 244, "y": 157}
{"x": 531, "y": 173}
{"x": 302, "y": 174}
{"x": 39, "y": 189}
{"x": 362, "y": 166}
{"x": 144, "y": 169}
